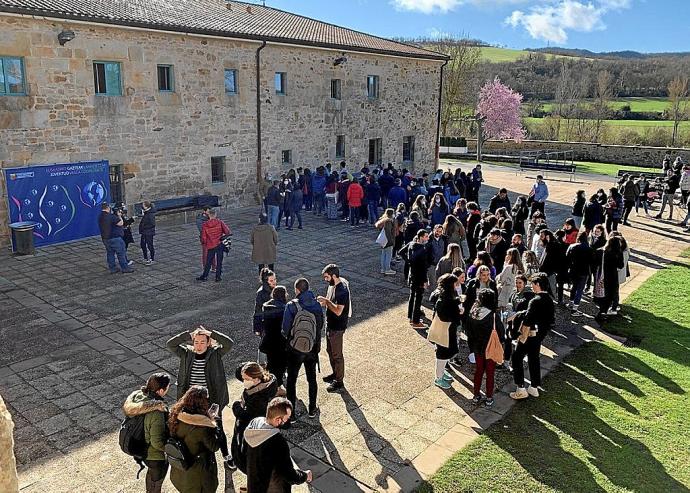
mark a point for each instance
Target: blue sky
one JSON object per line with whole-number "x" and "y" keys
{"x": 597, "y": 25}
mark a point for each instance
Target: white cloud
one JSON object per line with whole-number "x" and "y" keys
{"x": 552, "y": 21}
{"x": 444, "y": 6}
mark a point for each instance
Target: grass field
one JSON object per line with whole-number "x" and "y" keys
{"x": 587, "y": 167}
{"x": 613, "y": 419}
{"x": 639, "y": 125}
{"x": 636, "y": 104}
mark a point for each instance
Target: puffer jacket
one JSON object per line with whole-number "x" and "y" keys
{"x": 685, "y": 181}
{"x": 318, "y": 182}
{"x": 212, "y": 231}
{"x": 355, "y": 194}
{"x": 155, "y": 417}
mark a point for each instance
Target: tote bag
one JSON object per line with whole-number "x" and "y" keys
{"x": 438, "y": 332}
{"x": 494, "y": 349}
{"x": 381, "y": 239}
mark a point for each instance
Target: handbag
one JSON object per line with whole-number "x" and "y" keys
{"x": 226, "y": 241}
{"x": 438, "y": 332}
{"x": 599, "y": 291}
{"x": 494, "y": 349}
{"x": 382, "y": 239}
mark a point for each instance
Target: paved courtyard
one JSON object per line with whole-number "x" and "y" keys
{"x": 76, "y": 340}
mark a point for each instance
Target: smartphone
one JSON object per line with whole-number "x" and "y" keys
{"x": 213, "y": 409}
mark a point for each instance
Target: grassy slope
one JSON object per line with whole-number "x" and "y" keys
{"x": 613, "y": 419}
{"x": 496, "y": 55}
{"x": 636, "y": 104}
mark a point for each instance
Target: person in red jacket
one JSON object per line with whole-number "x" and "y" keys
{"x": 355, "y": 194}
{"x": 211, "y": 233}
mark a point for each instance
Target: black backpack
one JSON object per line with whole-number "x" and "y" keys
{"x": 177, "y": 454}
{"x": 132, "y": 439}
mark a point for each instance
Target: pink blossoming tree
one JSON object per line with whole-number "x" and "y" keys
{"x": 499, "y": 112}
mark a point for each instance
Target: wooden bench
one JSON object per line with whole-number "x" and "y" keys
{"x": 649, "y": 174}
{"x": 180, "y": 204}
{"x": 549, "y": 167}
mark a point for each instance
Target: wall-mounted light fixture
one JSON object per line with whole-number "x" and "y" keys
{"x": 65, "y": 36}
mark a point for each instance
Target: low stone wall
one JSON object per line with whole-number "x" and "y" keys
{"x": 8, "y": 464}
{"x": 588, "y": 151}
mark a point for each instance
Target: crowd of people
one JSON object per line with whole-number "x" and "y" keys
{"x": 495, "y": 275}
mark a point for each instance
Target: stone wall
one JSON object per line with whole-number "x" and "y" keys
{"x": 166, "y": 140}
{"x": 587, "y": 151}
{"x": 8, "y": 464}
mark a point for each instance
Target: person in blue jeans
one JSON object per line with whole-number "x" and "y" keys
{"x": 274, "y": 200}
{"x": 111, "y": 227}
{"x": 373, "y": 194}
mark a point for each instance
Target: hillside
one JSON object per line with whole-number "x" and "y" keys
{"x": 497, "y": 55}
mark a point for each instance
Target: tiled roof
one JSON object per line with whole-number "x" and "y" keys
{"x": 217, "y": 18}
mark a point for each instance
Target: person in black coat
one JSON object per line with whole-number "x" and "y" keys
{"x": 273, "y": 344}
{"x": 579, "y": 262}
{"x": 520, "y": 214}
{"x": 147, "y": 230}
{"x": 259, "y": 388}
{"x": 551, "y": 259}
{"x": 497, "y": 247}
{"x": 538, "y": 319}
{"x": 473, "y": 219}
{"x": 607, "y": 261}
{"x": 447, "y": 308}
{"x": 263, "y": 294}
{"x": 481, "y": 321}
{"x": 269, "y": 465}
{"x": 499, "y": 200}
{"x": 415, "y": 254}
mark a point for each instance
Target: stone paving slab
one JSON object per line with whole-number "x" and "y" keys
{"x": 77, "y": 341}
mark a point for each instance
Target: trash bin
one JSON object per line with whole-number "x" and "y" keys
{"x": 23, "y": 237}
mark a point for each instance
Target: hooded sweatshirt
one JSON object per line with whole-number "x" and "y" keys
{"x": 269, "y": 465}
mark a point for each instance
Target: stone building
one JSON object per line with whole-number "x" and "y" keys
{"x": 189, "y": 97}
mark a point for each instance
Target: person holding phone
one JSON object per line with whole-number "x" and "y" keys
{"x": 270, "y": 467}
{"x": 194, "y": 421}
{"x": 201, "y": 365}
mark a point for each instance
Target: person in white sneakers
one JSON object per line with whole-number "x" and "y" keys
{"x": 537, "y": 321}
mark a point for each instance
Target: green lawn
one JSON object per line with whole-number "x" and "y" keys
{"x": 612, "y": 419}
{"x": 634, "y": 124}
{"x": 608, "y": 169}
{"x": 636, "y": 104}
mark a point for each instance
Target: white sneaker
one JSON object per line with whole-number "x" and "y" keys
{"x": 382, "y": 272}
{"x": 131, "y": 262}
{"x": 390, "y": 273}
{"x": 520, "y": 393}
{"x": 612, "y": 312}
{"x": 472, "y": 358}
{"x": 533, "y": 391}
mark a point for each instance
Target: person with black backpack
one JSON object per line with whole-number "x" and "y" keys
{"x": 144, "y": 431}
{"x": 194, "y": 439}
{"x": 302, "y": 328}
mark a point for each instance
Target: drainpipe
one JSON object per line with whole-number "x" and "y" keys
{"x": 438, "y": 120}
{"x": 259, "y": 174}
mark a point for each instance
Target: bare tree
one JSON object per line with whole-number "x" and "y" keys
{"x": 678, "y": 109}
{"x": 459, "y": 80}
{"x": 603, "y": 93}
